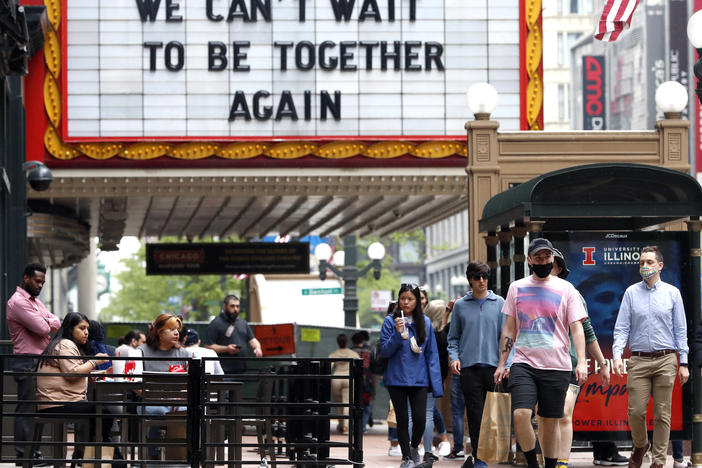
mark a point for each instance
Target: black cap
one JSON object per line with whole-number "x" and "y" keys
{"x": 540, "y": 244}
{"x": 560, "y": 260}
{"x": 191, "y": 338}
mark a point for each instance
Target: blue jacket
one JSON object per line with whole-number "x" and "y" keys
{"x": 474, "y": 336}
{"x": 405, "y": 367}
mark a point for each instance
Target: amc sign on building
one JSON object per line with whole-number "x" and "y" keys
{"x": 232, "y": 69}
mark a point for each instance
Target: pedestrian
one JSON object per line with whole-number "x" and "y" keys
{"x": 435, "y": 311}
{"x": 458, "y": 406}
{"x": 162, "y": 341}
{"x": 230, "y": 336}
{"x": 340, "y": 387}
{"x": 540, "y": 311}
{"x": 60, "y": 394}
{"x": 473, "y": 347}
{"x": 96, "y": 343}
{"x": 131, "y": 341}
{"x": 359, "y": 341}
{"x": 192, "y": 345}
{"x": 407, "y": 340}
{"x": 605, "y": 452}
{"x": 30, "y": 325}
{"x": 652, "y": 322}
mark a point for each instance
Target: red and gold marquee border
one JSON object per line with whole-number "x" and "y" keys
{"x": 428, "y": 149}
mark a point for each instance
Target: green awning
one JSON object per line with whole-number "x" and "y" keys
{"x": 610, "y": 196}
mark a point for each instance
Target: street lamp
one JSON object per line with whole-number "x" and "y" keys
{"x": 482, "y": 100}
{"x": 350, "y": 272}
{"x": 671, "y": 98}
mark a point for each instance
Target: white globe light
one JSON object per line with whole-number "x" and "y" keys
{"x": 376, "y": 251}
{"x": 322, "y": 251}
{"x": 482, "y": 98}
{"x": 671, "y": 96}
{"x": 338, "y": 258}
{"x": 694, "y": 30}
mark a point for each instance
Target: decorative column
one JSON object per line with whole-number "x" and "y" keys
{"x": 519, "y": 232}
{"x": 483, "y": 177}
{"x": 505, "y": 236}
{"x": 87, "y": 291}
{"x": 491, "y": 241}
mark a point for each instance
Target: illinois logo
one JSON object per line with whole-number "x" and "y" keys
{"x": 589, "y": 256}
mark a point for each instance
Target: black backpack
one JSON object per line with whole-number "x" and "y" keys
{"x": 378, "y": 362}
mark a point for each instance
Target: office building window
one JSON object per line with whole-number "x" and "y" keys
{"x": 576, "y": 6}
{"x": 559, "y": 7}
{"x": 560, "y": 50}
{"x": 561, "y": 102}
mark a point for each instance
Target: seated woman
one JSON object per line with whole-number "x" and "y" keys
{"x": 162, "y": 342}
{"x": 67, "y": 394}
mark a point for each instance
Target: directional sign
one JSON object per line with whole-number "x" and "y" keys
{"x": 276, "y": 339}
{"x": 320, "y": 291}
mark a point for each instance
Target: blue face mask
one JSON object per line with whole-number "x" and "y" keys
{"x": 647, "y": 272}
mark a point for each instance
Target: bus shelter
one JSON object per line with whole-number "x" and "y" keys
{"x": 599, "y": 216}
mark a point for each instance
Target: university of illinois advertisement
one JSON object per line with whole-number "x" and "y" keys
{"x": 602, "y": 265}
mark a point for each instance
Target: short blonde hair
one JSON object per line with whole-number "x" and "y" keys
{"x": 435, "y": 311}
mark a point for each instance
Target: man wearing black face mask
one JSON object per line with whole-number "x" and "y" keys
{"x": 540, "y": 310}
{"x": 230, "y": 336}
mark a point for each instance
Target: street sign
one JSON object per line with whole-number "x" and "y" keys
{"x": 379, "y": 300}
{"x": 312, "y": 335}
{"x": 276, "y": 339}
{"x": 320, "y": 291}
{"x": 227, "y": 258}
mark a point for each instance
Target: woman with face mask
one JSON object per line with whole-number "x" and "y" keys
{"x": 407, "y": 340}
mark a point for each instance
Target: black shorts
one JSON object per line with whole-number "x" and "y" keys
{"x": 530, "y": 386}
{"x": 573, "y": 379}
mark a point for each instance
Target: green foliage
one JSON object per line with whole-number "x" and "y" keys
{"x": 143, "y": 297}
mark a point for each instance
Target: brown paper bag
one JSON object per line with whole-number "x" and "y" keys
{"x": 495, "y": 428}
{"x": 106, "y": 454}
{"x": 392, "y": 420}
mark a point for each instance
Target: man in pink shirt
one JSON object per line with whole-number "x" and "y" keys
{"x": 540, "y": 310}
{"x": 30, "y": 324}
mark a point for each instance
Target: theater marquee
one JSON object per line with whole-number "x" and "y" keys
{"x": 329, "y": 78}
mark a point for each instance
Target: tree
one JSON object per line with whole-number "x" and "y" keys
{"x": 143, "y": 297}
{"x": 389, "y": 280}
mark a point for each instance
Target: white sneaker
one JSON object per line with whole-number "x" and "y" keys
{"x": 681, "y": 463}
{"x": 394, "y": 451}
{"x": 445, "y": 449}
{"x": 421, "y": 451}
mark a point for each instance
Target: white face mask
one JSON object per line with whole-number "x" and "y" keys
{"x": 647, "y": 272}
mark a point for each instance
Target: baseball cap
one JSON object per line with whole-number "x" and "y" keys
{"x": 540, "y": 244}
{"x": 560, "y": 260}
{"x": 191, "y": 337}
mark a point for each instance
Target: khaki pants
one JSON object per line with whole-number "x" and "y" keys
{"x": 646, "y": 376}
{"x": 340, "y": 394}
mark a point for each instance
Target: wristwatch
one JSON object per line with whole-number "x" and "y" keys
{"x": 603, "y": 363}
{"x": 683, "y": 364}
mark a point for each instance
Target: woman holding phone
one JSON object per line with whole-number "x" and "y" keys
{"x": 407, "y": 341}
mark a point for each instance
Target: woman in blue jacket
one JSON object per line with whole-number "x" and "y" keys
{"x": 413, "y": 368}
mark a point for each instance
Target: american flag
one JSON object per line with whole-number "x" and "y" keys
{"x": 615, "y": 18}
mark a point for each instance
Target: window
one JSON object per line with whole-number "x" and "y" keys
{"x": 409, "y": 252}
{"x": 559, "y": 7}
{"x": 561, "y": 102}
{"x": 559, "y": 52}
{"x": 576, "y": 6}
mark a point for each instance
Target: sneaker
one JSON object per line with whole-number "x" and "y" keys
{"x": 430, "y": 457}
{"x": 612, "y": 460}
{"x": 407, "y": 463}
{"x": 468, "y": 463}
{"x": 445, "y": 449}
{"x": 415, "y": 455}
{"x": 681, "y": 463}
{"x": 456, "y": 454}
{"x": 421, "y": 450}
{"x": 394, "y": 451}
{"x": 479, "y": 463}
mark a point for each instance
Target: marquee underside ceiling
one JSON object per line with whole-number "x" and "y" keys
{"x": 192, "y": 204}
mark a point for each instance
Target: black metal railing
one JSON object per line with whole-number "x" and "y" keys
{"x": 192, "y": 417}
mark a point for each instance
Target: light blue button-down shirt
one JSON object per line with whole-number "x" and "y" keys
{"x": 651, "y": 319}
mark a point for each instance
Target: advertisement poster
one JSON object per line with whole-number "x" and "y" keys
{"x": 602, "y": 265}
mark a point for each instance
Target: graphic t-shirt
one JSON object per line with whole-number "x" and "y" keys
{"x": 544, "y": 312}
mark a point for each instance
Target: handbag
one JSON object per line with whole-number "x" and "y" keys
{"x": 495, "y": 427}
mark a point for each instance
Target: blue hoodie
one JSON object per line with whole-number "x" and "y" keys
{"x": 405, "y": 367}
